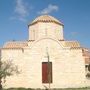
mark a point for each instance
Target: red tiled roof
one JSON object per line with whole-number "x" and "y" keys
{"x": 86, "y": 54}
{"x": 14, "y": 44}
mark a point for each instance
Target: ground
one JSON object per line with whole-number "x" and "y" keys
{"x": 84, "y": 88}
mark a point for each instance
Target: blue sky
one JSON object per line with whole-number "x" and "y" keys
{"x": 16, "y": 14}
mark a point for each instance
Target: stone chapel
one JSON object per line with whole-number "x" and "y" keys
{"x": 46, "y": 59}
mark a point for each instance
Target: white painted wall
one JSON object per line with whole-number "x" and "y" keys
{"x": 67, "y": 65}
{"x": 42, "y": 29}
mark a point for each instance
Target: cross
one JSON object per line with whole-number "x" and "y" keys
{"x": 48, "y": 66}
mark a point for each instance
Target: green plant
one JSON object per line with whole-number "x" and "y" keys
{"x": 7, "y": 68}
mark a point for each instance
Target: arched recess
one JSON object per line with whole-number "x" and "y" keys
{"x": 40, "y": 47}
{"x": 47, "y": 38}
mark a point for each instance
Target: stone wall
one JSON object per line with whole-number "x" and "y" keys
{"x": 67, "y": 65}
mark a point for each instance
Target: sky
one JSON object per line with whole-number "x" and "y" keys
{"x": 15, "y": 15}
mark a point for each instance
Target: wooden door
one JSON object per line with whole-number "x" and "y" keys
{"x": 46, "y": 72}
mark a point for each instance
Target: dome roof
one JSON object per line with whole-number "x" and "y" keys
{"x": 46, "y": 18}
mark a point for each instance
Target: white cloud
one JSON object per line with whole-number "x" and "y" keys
{"x": 51, "y": 8}
{"x": 21, "y": 8}
{"x": 74, "y": 33}
{"x": 21, "y": 11}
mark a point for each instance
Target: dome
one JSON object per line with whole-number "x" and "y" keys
{"x": 46, "y": 18}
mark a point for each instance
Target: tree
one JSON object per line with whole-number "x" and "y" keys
{"x": 7, "y": 68}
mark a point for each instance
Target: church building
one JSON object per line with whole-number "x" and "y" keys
{"x": 46, "y": 59}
